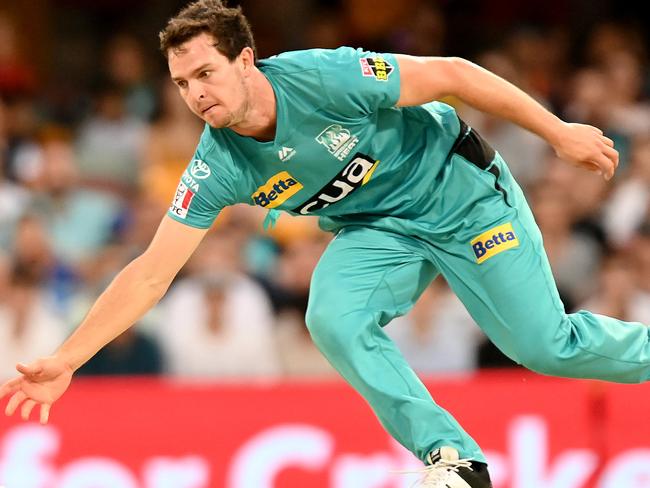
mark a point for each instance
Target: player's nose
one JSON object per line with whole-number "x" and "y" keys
{"x": 196, "y": 92}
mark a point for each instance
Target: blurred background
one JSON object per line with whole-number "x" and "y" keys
{"x": 94, "y": 137}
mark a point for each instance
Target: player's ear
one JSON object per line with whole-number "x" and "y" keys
{"x": 246, "y": 59}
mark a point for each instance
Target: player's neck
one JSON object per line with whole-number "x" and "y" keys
{"x": 260, "y": 118}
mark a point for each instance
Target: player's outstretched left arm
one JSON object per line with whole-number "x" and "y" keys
{"x": 424, "y": 79}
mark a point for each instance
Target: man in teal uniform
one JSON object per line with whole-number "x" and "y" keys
{"x": 410, "y": 191}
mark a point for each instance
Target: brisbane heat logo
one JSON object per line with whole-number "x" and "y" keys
{"x": 338, "y": 140}
{"x": 376, "y": 67}
{"x": 493, "y": 242}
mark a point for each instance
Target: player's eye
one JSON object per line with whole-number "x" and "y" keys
{"x": 204, "y": 74}
{"x": 181, "y": 84}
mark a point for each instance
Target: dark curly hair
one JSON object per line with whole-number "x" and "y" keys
{"x": 230, "y": 29}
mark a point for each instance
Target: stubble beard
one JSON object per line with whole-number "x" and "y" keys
{"x": 232, "y": 119}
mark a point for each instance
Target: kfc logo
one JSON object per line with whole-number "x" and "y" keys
{"x": 182, "y": 201}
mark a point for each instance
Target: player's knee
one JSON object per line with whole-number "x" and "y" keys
{"x": 544, "y": 357}
{"x": 543, "y": 362}
{"x": 335, "y": 330}
{"x": 321, "y": 320}
{"x": 546, "y": 351}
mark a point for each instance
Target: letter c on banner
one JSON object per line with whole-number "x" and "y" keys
{"x": 261, "y": 459}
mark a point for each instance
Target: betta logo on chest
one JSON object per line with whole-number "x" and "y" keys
{"x": 277, "y": 190}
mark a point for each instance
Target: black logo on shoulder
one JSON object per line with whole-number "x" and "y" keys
{"x": 377, "y": 67}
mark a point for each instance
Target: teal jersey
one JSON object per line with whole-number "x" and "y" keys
{"x": 342, "y": 150}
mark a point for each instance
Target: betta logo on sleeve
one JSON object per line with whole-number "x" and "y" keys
{"x": 493, "y": 242}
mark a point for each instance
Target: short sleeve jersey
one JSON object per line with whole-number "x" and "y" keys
{"x": 342, "y": 150}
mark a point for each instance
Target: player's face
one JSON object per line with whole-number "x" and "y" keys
{"x": 213, "y": 88}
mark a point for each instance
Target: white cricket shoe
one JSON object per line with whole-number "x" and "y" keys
{"x": 447, "y": 470}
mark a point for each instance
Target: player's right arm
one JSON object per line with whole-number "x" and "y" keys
{"x": 423, "y": 79}
{"x": 137, "y": 288}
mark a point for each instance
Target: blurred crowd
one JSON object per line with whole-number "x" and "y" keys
{"x": 89, "y": 163}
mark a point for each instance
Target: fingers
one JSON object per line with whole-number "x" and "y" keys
{"x": 10, "y": 387}
{"x": 612, "y": 155}
{"x": 607, "y": 141}
{"x": 605, "y": 165}
{"x": 596, "y": 130}
{"x": 26, "y": 409}
{"x": 45, "y": 413}
{"x": 14, "y": 401}
{"x": 593, "y": 167}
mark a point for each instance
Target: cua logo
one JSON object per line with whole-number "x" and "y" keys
{"x": 277, "y": 190}
{"x": 354, "y": 175}
{"x": 494, "y": 241}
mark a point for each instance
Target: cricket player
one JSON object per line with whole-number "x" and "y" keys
{"x": 410, "y": 191}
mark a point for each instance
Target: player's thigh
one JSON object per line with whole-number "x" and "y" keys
{"x": 371, "y": 271}
{"x": 497, "y": 266}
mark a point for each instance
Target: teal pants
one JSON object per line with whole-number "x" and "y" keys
{"x": 481, "y": 236}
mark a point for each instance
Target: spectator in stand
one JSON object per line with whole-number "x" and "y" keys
{"x": 14, "y": 199}
{"x": 438, "y": 335}
{"x": 589, "y": 97}
{"x": 574, "y": 257}
{"x": 31, "y": 249}
{"x": 640, "y": 252}
{"x": 616, "y": 287}
{"x": 111, "y": 143}
{"x": 289, "y": 290}
{"x": 216, "y": 321}
{"x": 126, "y": 66}
{"x": 80, "y": 221}
{"x": 583, "y": 197}
{"x": 630, "y": 113}
{"x": 22, "y": 151}
{"x": 624, "y": 281}
{"x": 628, "y": 204}
{"x": 610, "y": 37}
{"x": 29, "y": 325}
{"x": 131, "y": 353}
{"x": 169, "y": 143}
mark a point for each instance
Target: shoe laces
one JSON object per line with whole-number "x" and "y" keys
{"x": 436, "y": 475}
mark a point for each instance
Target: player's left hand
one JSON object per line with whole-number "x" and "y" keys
{"x": 40, "y": 383}
{"x": 586, "y": 146}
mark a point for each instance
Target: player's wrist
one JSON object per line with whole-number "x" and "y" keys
{"x": 68, "y": 360}
{"x": 555, "y": 131}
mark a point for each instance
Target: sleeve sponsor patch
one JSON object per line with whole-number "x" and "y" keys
{"x": 199, "y": 169}
{"x": 182, "y": 200}
{"x": 376, "y": 67}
